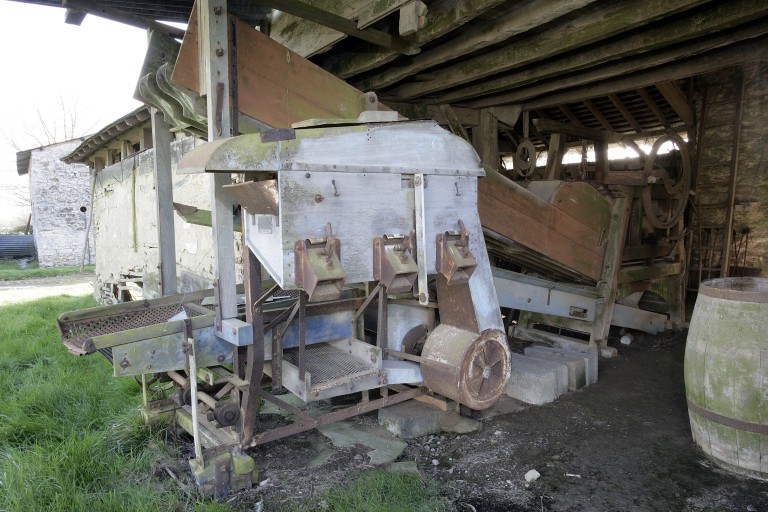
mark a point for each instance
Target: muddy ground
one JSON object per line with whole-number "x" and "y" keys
{"x": 622, "y": 444}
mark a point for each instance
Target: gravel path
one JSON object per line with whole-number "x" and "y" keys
{"x": 30, "y": 289}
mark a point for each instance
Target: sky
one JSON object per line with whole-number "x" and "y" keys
{"x": 46, "y": 64}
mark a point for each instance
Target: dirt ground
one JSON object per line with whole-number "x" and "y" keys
{"x": 621, "y": 444}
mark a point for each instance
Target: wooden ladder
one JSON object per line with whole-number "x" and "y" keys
{"x": 709, "y": 245}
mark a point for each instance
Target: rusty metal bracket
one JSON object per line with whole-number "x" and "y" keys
{"x": 318, "y": 267}
{"x": 393, "y": 262}
{"x": 454, "y": 260}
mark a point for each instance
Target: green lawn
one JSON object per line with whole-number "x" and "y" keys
{"x": 72, "y": 437}
{"x": 10, "y": 270}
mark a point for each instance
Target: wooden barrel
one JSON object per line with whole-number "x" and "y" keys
{"x": 726, "y": 373}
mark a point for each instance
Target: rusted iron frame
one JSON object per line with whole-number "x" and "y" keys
{"x": 254, "y": 353}
{"x": 371, "y": 296}
{"x": 381, "y": 328}
{"x": 310, "y": 423}
{"x": 302, "y": 333}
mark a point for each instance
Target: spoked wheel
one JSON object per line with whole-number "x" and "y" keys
{"x": 664, "y": 201}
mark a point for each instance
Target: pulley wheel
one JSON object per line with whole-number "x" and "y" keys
{"x": 524, "y": 158}
{"x": 227, "y": 413}
{"x": 471, "y": 368}
{"x": 664, "y": 206}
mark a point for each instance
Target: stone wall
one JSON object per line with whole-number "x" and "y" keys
{"x": 125, "y": 225}
{"x": 751, "y": 198}
{"x": 61, "y": 202}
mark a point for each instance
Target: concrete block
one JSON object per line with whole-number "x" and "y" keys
{"x": 410, "y": 419}
{"x": 561, "y": 371}
{"x": 590, "y": 359}
{"x": 535, "y": 381}
{"x": 577, "y": 368}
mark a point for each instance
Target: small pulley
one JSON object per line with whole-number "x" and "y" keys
{"x": 525, "y": 156}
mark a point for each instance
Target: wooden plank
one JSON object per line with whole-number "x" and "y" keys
{"x": 548, "y": 125}
{"x": 466, "y": 116}
{"x": 308, "y": 38}
{"x": 508, "y": 114}
{"x": 624, "y": 112}
{"x": 412, "y": 17}
{"x": 340, "y": 23}
{"x": 517, "y": 214}
{"x": 485, "y": 139}
{"x": 724, "y": 17}
{"x": 678, "y": 101}
{"x": 677, "y": 63}
{"x": 565, "y": 36}
{"x": 275, "y": 85}
{"x": 653, "y": 106}
{"x": 504, "y": 27}
{"x": 598, "y": 115}
{"x": 444, "y": 16}
{"x": 555, "y": 155}
{"x": 734, "y": 170}
{"x": 166, "y": 234}
{"x": 133, "y": 20}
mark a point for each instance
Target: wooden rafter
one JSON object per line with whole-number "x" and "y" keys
{"x": 540, "y": 12}
{"x": 555, "y": 41}
{"x": 444, "y": 17}
{"x": 571, "y": 117}
{"x": 340, "y": 23}
{"x": 653, "y": 106}
{"x": 639, "y": 51}
{"x": 598, "y": 115}
{"x": 751, "y": 50}
{"x": 625, "y": 113}
{"x": 677, "y": 100}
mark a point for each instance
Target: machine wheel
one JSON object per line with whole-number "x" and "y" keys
{"x": 464, "y": 366}
{"x": 525, "y": 158}
{"x": 665, "y": 205}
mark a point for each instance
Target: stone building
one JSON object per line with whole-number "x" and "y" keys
{"x": 61, "y": 201}
{"x": 125, "y": 221}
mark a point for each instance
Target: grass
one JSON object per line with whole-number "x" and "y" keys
{"x": 381, "y": 491}
{"x": 10, "y": 270}
{"x": 72, "y": 438}
{"x": 71, "y": 435}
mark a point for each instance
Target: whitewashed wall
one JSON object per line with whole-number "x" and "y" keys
{"x": 59, "y": 191}
{"x": 128, "y": 187}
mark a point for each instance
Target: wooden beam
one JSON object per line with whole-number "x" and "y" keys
{"x": 508, "y": 114}
{"x": 453, "y": 122}
{"x": 598, "y": 115}
{"x": 485, "y": 139}
{"x": 119, "y": 16}
{"x": 565, "y": 36}
{"x": 678, "y": 101}
{"x": 536, "y": 14}
{"x": 653, "y": 106}
{"x": 339, "y": 23}
{"x": 717, "y": 24}
{"x": 213, "y": 42}
{"x": 555, "y": 155}
{"x": 163, "y": 175}
{"x": 749, "y": 51}
{"x": 308, "y": 38}
{"x": 625, "y": 113}
{"x": 466, "y": 116}
{"x": 444, "y": 16}
{"x": 572, "y": 118}
{"x": 550, "y": 126}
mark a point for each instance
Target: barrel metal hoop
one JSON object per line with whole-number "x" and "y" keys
{"x": 757, "y": 428}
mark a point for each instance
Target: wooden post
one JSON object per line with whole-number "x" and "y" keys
{"x": 166, "y": 234}
{"x": 485, "y": 139}
{"x": 213, "y": 41}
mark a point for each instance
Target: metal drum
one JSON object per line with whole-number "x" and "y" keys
{"x": 726, "y": 373}
{"x": 471, "y": 368}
